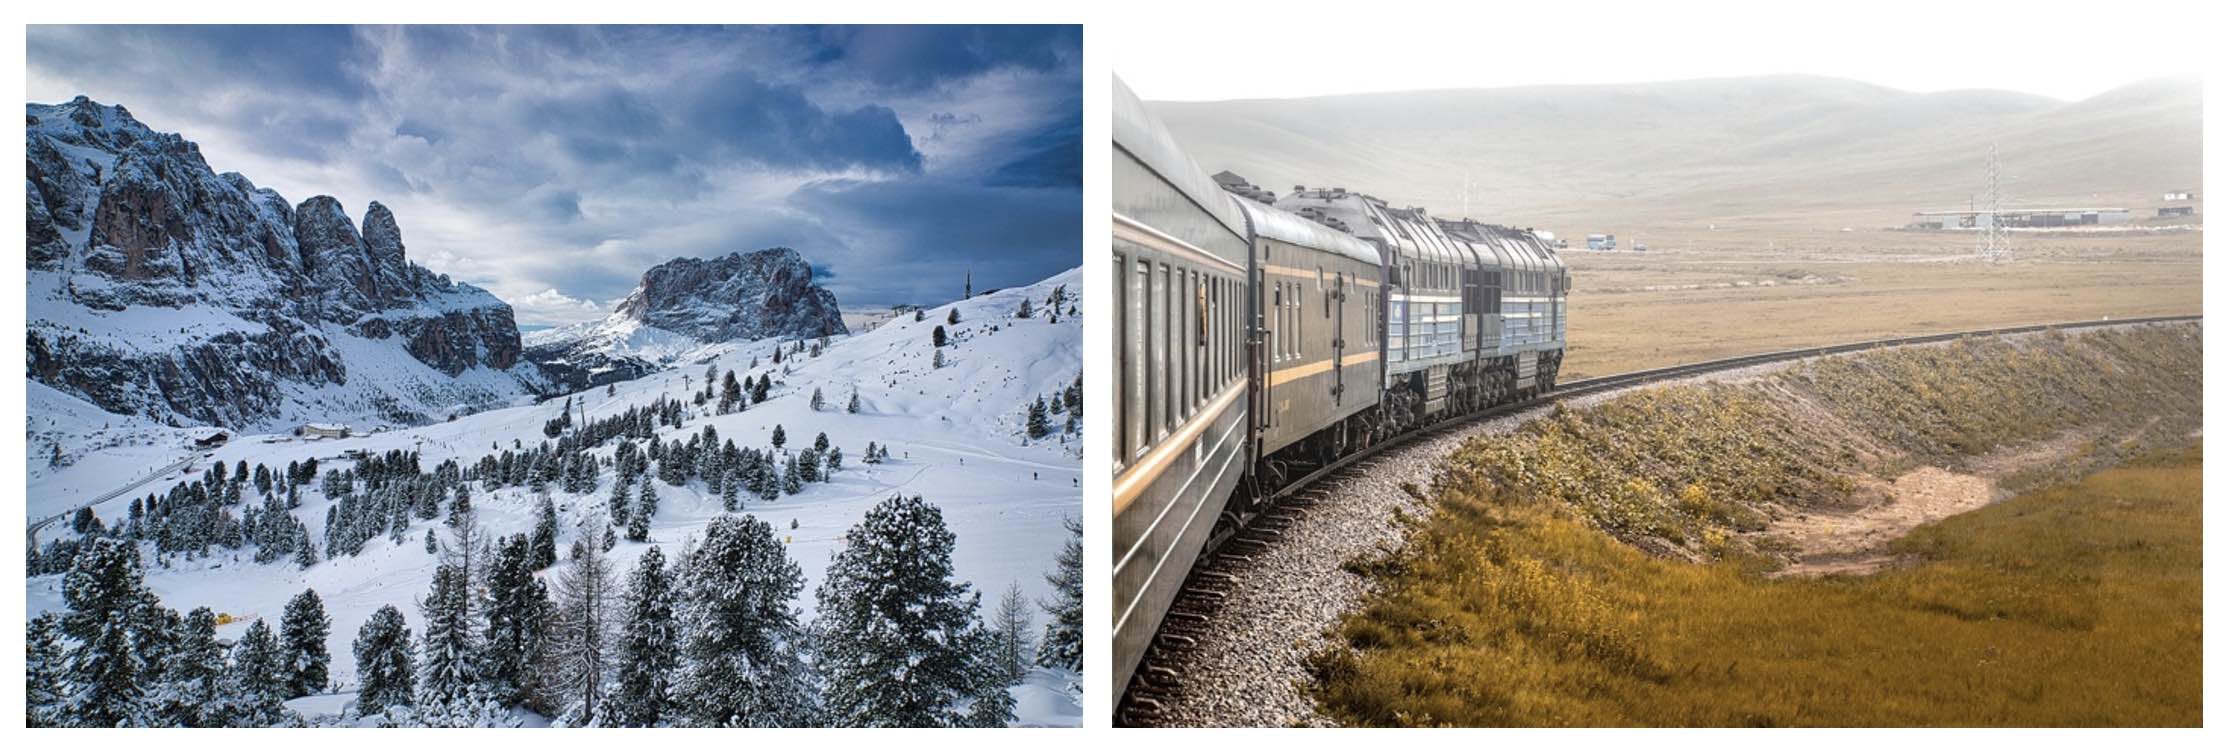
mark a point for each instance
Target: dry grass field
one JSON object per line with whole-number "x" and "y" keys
{"x": 1623, "y": 563}
{"x": 1701, "y": 294}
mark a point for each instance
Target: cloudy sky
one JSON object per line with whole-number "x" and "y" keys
{"x": 552, "y": 165}
{"x": 2066, "y": 49}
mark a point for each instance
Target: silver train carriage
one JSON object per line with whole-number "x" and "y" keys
{"x": 1260, "y": 337}
{"x": 1180, "y": 295}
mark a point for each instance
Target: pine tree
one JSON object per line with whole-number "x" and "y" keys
{"x": 384, "y": 662}
{"x": 545, "y": 544}
{"x": 579, "y": 635}
{"x": 743, "y": 653}
{"x": 1023, "y": 310}
{"x": 432, "y": 545}
{"x": 639, "y": 526}
{"x": 760, "y": 389}
{"x": 42, "y": 671}
{"x": 644, "y": 651}
{"x": 108, "y": 610}
{"x": 194, "y": 682}
{"x": 617, "y": 506}
{"x": 518, "y": 609}
{"x": 900, "y": 641}
{"x": 937, "y": 359}
{"x": 938, "y": 336}
{"x": 448, "y": 676}
{"x": 732, "y": 394}
{"x": 836, "y": 461}
{"x": 1063, "y": 644}
{"x": 647, "y": 500}
{"x": 1034, "y": 423}
{"x": 1012, "y": 634}
{"x": 302, "y": 631}
{"x": 816, "y": 401}
{"x": 953, "y": 316}
{"x": 259, "y": 679}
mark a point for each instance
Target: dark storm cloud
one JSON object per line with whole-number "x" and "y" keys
{"x": 554, "y": 164}
{"x": 917, "y": 57}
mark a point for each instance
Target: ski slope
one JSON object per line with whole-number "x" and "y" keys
{"x": 955, "y": 435}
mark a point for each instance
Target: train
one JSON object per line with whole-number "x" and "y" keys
{"x": 1258, "y": 337}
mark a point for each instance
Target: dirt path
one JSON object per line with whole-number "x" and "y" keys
{"x": 1852, "y": 543}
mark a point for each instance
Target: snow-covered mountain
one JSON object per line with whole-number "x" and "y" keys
{"x": 953, "y": 422}
{"x": 684, "y": 304}
{"x": 162, "y": 289}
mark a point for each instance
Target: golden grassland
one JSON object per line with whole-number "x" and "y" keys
{"x": 1525, "y": 599}
{"x": 2073, "y": 605}
{"x": 1683, "y": 302}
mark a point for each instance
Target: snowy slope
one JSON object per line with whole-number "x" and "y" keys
{"x": 955, "y": 437}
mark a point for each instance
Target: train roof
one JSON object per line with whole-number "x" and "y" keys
{"x": 1520, "y": 247}
{"x": 1140, "y": 133}
{"x": 1273, "y": 223}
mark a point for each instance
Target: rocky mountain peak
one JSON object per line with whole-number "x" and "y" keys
{"x": 119, "y": 216}
{"x": 766, "y": 293}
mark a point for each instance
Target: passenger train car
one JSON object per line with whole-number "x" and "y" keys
{"x": 1260, "y": 337}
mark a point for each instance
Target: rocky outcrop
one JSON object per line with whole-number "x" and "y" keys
{"x": 739, "y": 297}
{"x": 227, "y": 299}
{"x": 763, "y": 294}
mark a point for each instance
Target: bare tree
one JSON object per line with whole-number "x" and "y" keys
{"x": 581, "y": 630}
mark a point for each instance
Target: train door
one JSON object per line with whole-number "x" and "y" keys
{"x": 1259, "y": 352}
{"x": 1340, "y": 334}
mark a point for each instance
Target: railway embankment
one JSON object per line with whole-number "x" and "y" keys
{"x": 1937, "y": 534}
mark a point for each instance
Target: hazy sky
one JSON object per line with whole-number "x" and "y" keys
{"x": 552, "y": 165}
{"x": 1199, "y": 51}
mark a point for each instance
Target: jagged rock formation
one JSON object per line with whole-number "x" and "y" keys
{"x": 686, "y": 302}
{"x": 159, "y": 287}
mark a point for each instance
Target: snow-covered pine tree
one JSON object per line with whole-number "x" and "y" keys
{"x": 1023, "y": 310}
{"x": 449, "y": 677}
{"x": 107, "y": 617}
{"x": 900, "y": 644}
{"x": 648, "y": 500}
{"x": 580, "y": 635}
{"x": 793, "y": 480}
{"x": 853, "y": 405}
{"x": 732, "y": 394}
{"x": 617, "y": 505}
{"x": 836, "y": 459}
{"x": 193, "y": 686}
{"x": 1012, "y": 634}
{"x": 953, "y": 316}
{"x": 937, "y": 336}
{"x": 743, "y": 653}
{"x": 432, "y": 545}
{"x": 42, "y": 671}
{"x": 645, "y": 648}
{"x": 544, "y": 547}
{"x": 1063, "y": 644}
{"x": 639, "y": 526}
{"x": 816, "y": 401}
{"x": 777, "y": 437}
{"x": 1034, "y": 422}
{"x": 302, "y": 635}
{"x": 760, "y": 389}
{"x": 809, "y": 465}
{"x": 518, "y": 610}
{"x": 384, "y": 662}
{"x": 258, "y": 680}
{"x": 937, "y": 359}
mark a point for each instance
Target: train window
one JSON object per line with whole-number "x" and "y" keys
{"x": 1170, "y": 357}
{"x": 1135, "y": 398}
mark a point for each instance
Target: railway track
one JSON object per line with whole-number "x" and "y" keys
{"x": 1232, "y": 549}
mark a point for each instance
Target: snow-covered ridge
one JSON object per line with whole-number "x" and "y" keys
{"x": 952, "y": 419}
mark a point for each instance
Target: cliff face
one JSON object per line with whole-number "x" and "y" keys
{"x": 759, "y": 295}
{"x": 159, "y": 287}
{"x": 688, "y": 302}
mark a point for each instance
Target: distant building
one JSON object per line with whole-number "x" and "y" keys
{"x": 316, "y": 431}
{"x": 212, "y": 440}
{"x": 2174, "y": 212}
{"x": 2033, "y": 218}
{"x": 2181, "y": 195}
